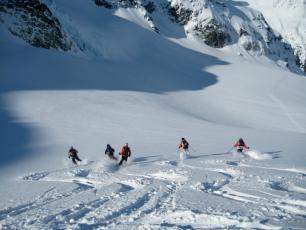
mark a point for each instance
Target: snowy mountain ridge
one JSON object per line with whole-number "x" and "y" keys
{"x": 287, "y": 18}
{"x": 249, "y": 25}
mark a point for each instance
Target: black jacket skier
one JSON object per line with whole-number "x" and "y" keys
{"x": 110, "y": 152}
{"x": 73, "y": 154}
{"x": 184, "y": 144}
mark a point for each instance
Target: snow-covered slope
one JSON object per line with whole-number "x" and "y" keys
{"x": 136, "y": 77}
{"x": 287, "y": 17}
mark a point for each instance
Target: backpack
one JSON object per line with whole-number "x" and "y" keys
{"x": 126, "y": 151}
{"x": 185, "y": 144}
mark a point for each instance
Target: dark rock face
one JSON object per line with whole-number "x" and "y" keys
{"x": 115, "y": 4}
{"x": 32, "y": 21}
{"x": 179, "y": 14}
{"x": 210, "y": 31}
{"x": 212, "y": 34}
{"x": 128, "y": 3}
{"x": 251, "y": 46}
{"x": 243, "y": 32}
{"x": 103, "y": 3}
{"x": 301, "y": 63}
{"x": 150, "y": 7}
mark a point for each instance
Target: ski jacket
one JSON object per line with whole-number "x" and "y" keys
{"x": 184, "y": 145}
{"x": 72, "y": 152}
{"x": 240, "y": 143}
{"x": 125, "y": 151}
{"x": 109, "y": 150}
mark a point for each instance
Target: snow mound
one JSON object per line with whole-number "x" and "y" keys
{"x": 35, "y": 176}
{"x": 257, "y": 155}
{"x": 169, "y": 175}
{"x": 79, "y": 172}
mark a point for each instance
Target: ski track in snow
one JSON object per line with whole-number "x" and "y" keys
{"x": 127, "y": 197}
{"x": 295, "y": 124}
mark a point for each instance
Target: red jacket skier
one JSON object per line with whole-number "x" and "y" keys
{"x": 125, "y": 153}
{"x": 183, "y": 144}
{"x": 240, "y": 145}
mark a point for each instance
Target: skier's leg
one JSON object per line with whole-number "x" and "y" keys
{"x": 124, "y": 158}
{"x": 182, "y": 154}
{"x": 185, "y": 153}
{"x": 112, "y": 157}
{"x": 77, "y": 157}
{"x": 73, "y": 160}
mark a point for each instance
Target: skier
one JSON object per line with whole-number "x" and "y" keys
{"x": 110, "y": 152}
{"x": 183, "y": 147}
{"x": 73, "y": 154}
{"x": 240, "y": 145}
{"x": 125, "y": 153}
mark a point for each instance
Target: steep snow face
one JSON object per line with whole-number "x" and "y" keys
{"x": 287, "y": 17}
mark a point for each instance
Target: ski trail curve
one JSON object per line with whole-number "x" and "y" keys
{"x": 297, "y": 127}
